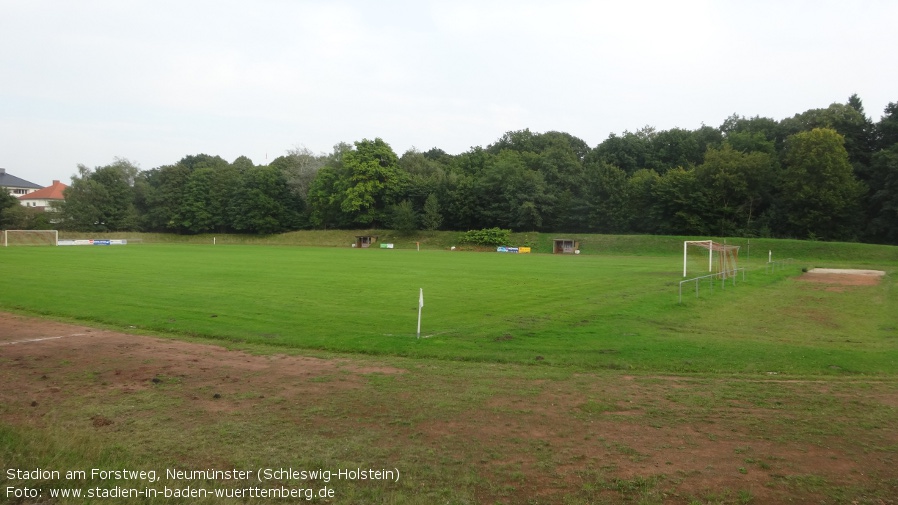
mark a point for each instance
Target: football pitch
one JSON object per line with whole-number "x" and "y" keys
{"x": 537, "y": 379}
{"x": 592, "y": 311}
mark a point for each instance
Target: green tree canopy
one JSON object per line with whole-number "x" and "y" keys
{"x": 737, "y": 186}
{"x": 11, "y": 215}
{"x": 102, "y": 199}
{"x": 887, "y": 128}
{"x": 374, "y": 182}
{"x": 884, "y": 196}
{"x": 818, "y": 191}
{"x": 433, "y": 216}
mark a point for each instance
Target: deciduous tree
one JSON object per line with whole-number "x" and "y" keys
{"x": 883, "y": 225}
{"x": 11, "y": 213}
{"x": 374, "y": 181}
{"x": 405, "y": 218}
{"x": 818, "y": 190}
{"x": 433, "y": 217}
{"x": 887, "y": 128}
{"x": 101, "y": 199}
{"x": 738, "y": 187}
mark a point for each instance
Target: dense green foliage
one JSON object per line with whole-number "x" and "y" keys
{"x": 14, "y": 216}
{"x": 487, "y": 237}
{"x": 822, "y": 174}
{"x": 8, "y": 206}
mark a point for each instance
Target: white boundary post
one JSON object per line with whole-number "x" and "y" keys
{"x": 420, "y": 306}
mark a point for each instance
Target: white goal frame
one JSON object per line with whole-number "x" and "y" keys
{"x": 727, "y": 255}
{"x": 54, "y": 233}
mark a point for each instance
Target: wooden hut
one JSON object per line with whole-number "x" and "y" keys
{"x": 565, "y": 246}
{"x": 365, "y": 240}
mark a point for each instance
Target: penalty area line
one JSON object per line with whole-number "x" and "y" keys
{"x": 41, "y": 339}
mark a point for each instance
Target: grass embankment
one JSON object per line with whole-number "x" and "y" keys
{"x": 754, "y": 250}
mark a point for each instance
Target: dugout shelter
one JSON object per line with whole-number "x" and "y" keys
{"x": 565, "y": 246}
{"x": 365, "y": 240}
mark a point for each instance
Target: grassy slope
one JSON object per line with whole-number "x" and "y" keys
{"x": 595, "y": 310}
{"x": 754, "y": 250}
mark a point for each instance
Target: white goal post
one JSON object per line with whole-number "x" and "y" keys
{"x": 727, "y": 256}
{"x": 30, "y": 237}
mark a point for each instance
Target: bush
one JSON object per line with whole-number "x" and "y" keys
{"x": 487, "y": 236}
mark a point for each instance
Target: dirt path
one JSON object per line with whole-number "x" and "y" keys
{"x": 604, "y": 437}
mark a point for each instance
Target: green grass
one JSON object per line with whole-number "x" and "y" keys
{"x": 629, "y": 384}
{"x": 607, "y": 310}
{"x": 755, "y": 249}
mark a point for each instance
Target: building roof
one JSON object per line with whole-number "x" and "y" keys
{"x": 51, "y": 192}
{"x": 11, "y": 181}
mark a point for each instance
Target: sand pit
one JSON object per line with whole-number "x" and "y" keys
{"x": 843, "y": 276}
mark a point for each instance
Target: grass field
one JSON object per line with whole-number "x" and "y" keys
{"x": 541, "y": 378}
{"x": 592, "y": 311}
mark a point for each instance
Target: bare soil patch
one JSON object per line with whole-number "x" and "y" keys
{"x": 44, "y": 353}
{"x": 625, "y": 438}
{"x": 842, "y": 277}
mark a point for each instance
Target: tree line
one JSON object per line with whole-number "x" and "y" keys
{"x": 825, "y": 174}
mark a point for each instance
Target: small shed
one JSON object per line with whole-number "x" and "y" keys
{"x": 565, "y": 246}
{"x": 365, "y": 240}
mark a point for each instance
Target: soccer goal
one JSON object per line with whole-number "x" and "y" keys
{"x": 30, "y": 237}
{"x": 727, "y": 257}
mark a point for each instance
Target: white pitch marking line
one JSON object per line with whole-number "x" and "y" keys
{"x": 45, "y": 338}
{"x": 436, "y": 334}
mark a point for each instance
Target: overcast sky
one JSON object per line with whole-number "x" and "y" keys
{"x": 153, "y": 81}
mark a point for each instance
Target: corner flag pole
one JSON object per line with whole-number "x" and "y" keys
{"x": 420, "y": 306}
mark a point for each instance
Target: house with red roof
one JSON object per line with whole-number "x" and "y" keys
{"x": 43, "y": 197}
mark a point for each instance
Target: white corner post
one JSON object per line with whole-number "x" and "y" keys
{"x": 420, "y": 306}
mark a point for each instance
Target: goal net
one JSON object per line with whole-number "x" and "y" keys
{"x": 716, "y": 258}
{"x": 30, "y": 237}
